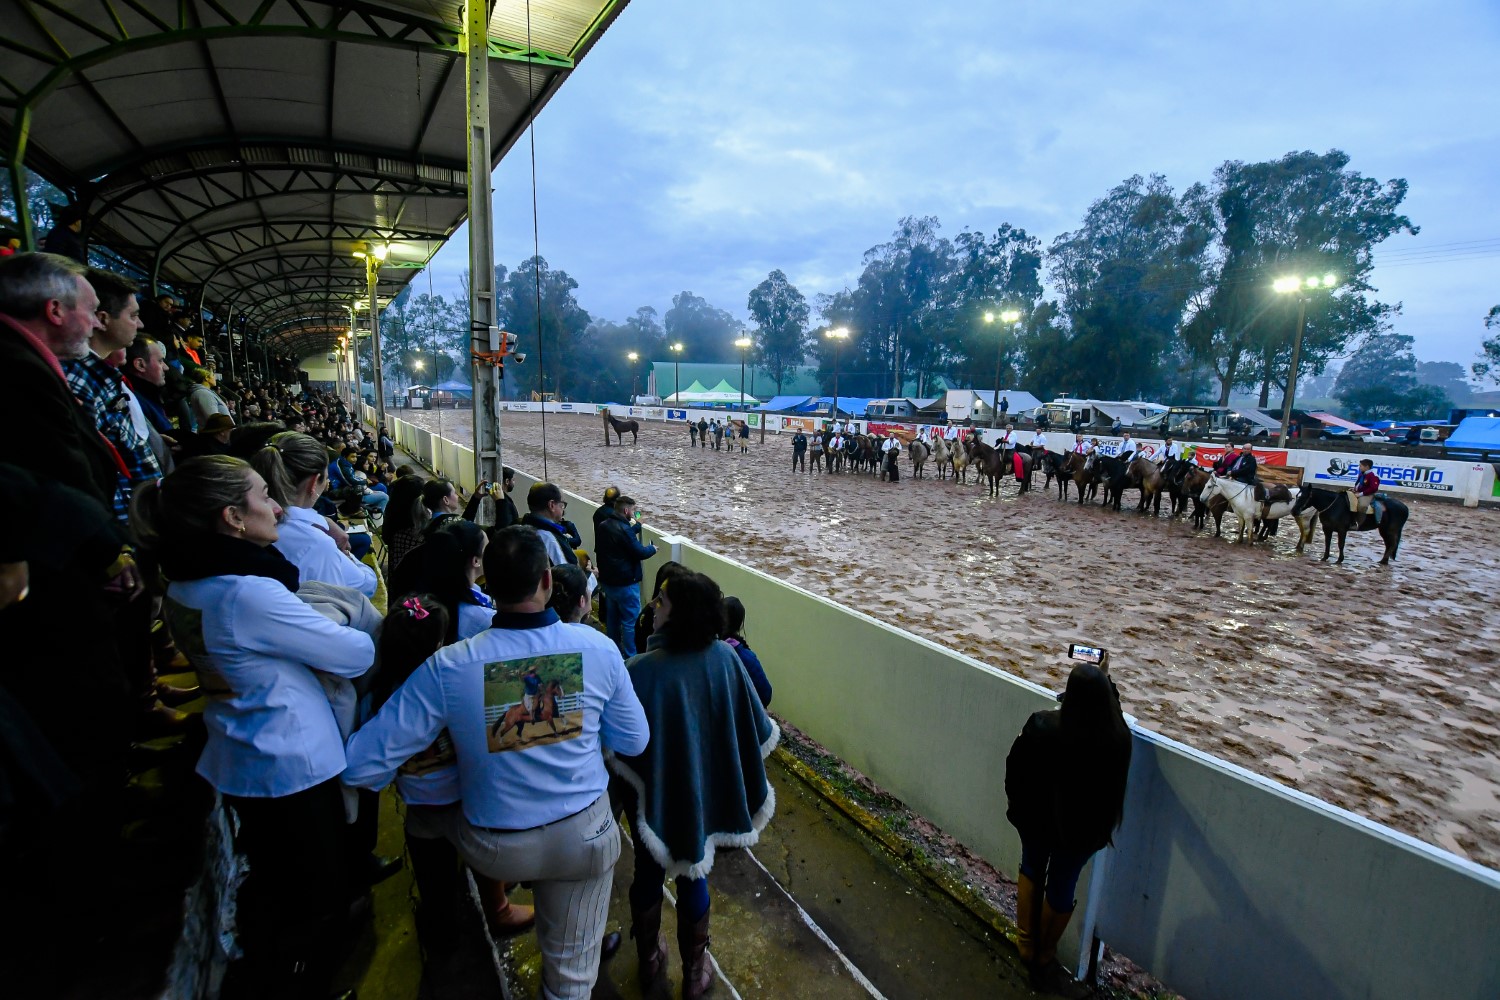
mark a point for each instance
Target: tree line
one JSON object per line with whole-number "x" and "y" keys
{"x": 1157, "y": 294}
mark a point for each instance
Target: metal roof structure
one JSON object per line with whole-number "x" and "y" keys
{"x": 243, "y": 150}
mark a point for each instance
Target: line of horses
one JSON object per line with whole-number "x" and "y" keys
{"x": 1187, "y": 485}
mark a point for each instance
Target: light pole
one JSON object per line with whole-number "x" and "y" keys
{"x": 634, "y": 357}
{"x": 838, "y": 335}
{"x": 374, "y": 255}
{"x": 1301, "y": 287}
{"x": 744, "y": 344}
{"x": 1012, "y": 316}
{"x": 677, "y": 373}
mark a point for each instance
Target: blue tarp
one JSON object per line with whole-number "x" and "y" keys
{"x": 777, "y": 404}
{"x": 855, "y": 405}
{"x": 1475, "y": 434}
{"x": 457, "y": 388}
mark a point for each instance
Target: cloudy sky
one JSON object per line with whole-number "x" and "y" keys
{"x": 703, "y": 143}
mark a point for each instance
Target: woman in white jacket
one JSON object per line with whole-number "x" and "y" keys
{"x": 273, "y": 749}
{"x": 295, "y": 468}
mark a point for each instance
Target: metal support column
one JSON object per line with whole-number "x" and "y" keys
{"x": 483, "y": 330}
{"x": 229, "y": 333}
{"x": 372, "y": 279}
{"x": 20, "y": 133}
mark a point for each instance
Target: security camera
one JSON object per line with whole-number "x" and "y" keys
{"x": 332, "y": 358}
{"x": 519, "y": 359}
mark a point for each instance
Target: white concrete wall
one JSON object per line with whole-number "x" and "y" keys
{"x": 1223, "y": 884}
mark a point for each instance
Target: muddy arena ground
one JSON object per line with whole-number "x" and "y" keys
{"x": 1375, "y": 688}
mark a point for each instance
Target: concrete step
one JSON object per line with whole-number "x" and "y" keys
{"x": 816, "y": 910}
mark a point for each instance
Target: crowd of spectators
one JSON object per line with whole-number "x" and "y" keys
{"x": 220, "y": 526}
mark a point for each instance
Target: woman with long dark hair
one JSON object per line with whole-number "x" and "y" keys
{"x": 1065, "y": 782}
{"x": 701, "y": 782}
{"x": 449, "y": 565}
{"x": 405, "y": 517}
{"x": 274, "y": 749}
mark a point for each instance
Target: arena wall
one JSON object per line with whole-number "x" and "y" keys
{"x": 1223, "y": 884}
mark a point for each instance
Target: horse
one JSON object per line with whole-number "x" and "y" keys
{"x": 1176, "y": 478}
{"x": 544, "y": 709}
{"x": 1333, "y": 511}
{"x": 1019, "y": 462}
{"x": 1276, "y": 504}
{"x": 1075, "y": 470}
{"x": 620, "y": 427}
{"x": 1113, "y": 473}
{"x": 1241, "y": 499}
{"x": 963, "y": 457}
{"x": 919, "y": 453}
{"x": 990, "y": 463}
{"x": 1144, "y": 474}
{"x": 942, "y": 456}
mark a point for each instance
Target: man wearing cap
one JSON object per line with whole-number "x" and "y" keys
{"x": 617, "y": 542}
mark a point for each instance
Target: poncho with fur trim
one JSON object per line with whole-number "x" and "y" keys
{"x": 701, "y": 783}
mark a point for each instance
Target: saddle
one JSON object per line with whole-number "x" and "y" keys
{"x": 1271, "y": 494}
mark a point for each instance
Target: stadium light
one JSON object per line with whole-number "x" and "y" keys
{"x": 1301, "y": 287}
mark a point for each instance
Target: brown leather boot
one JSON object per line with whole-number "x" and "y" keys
{"x": 1048, "y": 975}
{"x": 650, "y": 946}
{"x": 506, "y": 919}
{"x": 697, "y": 969}
{"x": 1027, "y": 915}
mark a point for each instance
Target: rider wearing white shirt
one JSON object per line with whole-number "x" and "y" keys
{"x": 1039, "y": 440}
{"x": 1127, "y": 449}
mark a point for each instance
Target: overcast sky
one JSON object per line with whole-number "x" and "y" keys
{"x": 703, "y": 143}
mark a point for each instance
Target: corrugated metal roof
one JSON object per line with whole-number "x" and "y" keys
{"x": 248, "y": 147}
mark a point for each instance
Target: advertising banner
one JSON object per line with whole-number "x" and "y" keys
{"x": 805, "y": 424}
{"x": 676, "y": 414}
{"x": 1207, "y": 454}
{"x": 753, "y": 419}
{"x": 905, "y": 431}
{"x": 1406, "y": 473}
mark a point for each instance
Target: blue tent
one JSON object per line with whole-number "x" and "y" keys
{"x": 456, "y": 388}
{"x": 777, "y": 404}
{"x": 1475, "y": 434}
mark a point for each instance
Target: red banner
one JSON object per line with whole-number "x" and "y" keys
{"x": 1207, "y": 454}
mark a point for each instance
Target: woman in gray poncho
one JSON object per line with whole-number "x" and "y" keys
{"x": 701, "y": 783}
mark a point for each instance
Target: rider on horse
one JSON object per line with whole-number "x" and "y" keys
{"x": 1362, "y": 497}
{"x": 1242, "y": 468}
{"x": 1127, "y": 449}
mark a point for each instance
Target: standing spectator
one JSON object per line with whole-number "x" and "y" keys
{"x": 542, "y": 815}
{"x": 734, "y": 634}
{"x": 101, "y": 388}
{"x": 1065, "y": 785}
{"x": 274, "y": 749}
{"x": 692, "y": 434}
{"x": 816, "y": 446}
{"x": 451, "y": 565}
{"x": 545, "y": 512}
{"x": 505, "y": 508}
{"x": 744, "y": 437}
{"x": 618, "y": 544}
{"x": 702, "y": 432}
{"x": 65, "y": 238}
{"x": 48, "y": 312}
{"x": 1004, "y": 407}
{"x": 202, "y": 400}
{"x": 701, "y": 782}
{"x": 799, "y": 451}
{"x": 144, "y": 373}
{"x": 293, "y": 467}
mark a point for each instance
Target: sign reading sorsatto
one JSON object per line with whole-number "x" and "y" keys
{"x": 1207, "y": 454}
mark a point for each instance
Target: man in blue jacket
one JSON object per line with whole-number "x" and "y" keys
{"x": 618, "y": 546}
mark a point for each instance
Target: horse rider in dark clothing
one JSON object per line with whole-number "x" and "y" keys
{"x": 1242, "y": 469}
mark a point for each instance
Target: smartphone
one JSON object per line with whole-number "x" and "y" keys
{"x": 1088, "y": 654}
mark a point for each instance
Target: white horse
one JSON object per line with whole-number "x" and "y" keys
{"x": 942, "y": 455}
{"x": 1241, "y": 500}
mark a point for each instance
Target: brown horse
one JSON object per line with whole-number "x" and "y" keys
{"x": 620, "y": 428}
{"x": 544, "y": 710}
{"x": 1085, "y": 475}
{"x": 1146, "y": 476}
{"x": 989, "y": 463}
{"x": 1193, "y": 484}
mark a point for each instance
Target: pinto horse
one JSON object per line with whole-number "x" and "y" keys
{"x": 1333, "y": 511}
{"x": 621, "y": 427}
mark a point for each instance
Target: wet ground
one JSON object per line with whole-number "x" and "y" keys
{"x": 1375, "y": 688}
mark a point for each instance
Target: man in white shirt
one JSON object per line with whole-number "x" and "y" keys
{"x": 535, "y": 803}
{"x": 1127, "y": 449}
{"x": 1039, "y": 440}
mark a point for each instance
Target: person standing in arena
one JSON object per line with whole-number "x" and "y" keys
{"x": 799, "y": 451}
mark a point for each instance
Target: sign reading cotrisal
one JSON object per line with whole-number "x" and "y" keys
{"x": 1412, "y": 474}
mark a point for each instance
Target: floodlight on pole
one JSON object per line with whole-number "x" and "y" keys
{"x": 1292, "y": 285}
{"x": 677, "y": 373}
{"x": 744, "y": 344}
{"x": 633, "y": 357}
{"x": 838, "y": 335}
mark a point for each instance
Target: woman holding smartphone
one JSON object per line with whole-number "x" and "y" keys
{"x": 1065, "y": 784}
